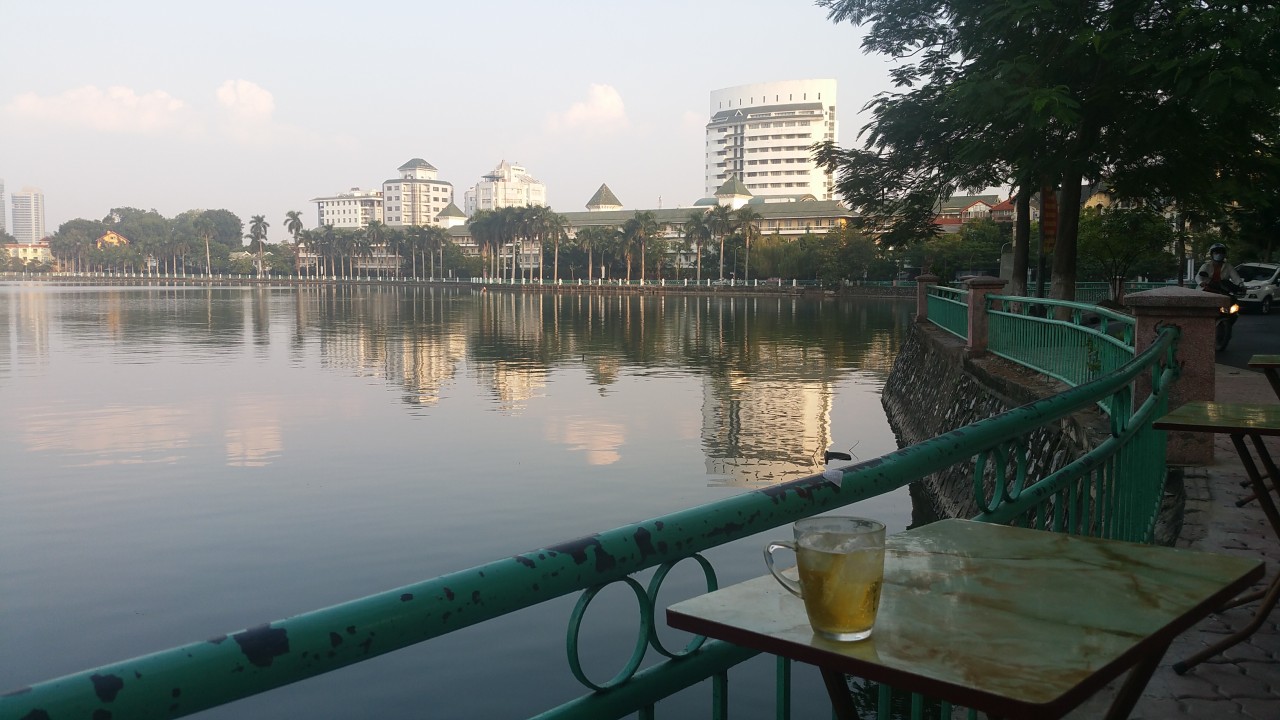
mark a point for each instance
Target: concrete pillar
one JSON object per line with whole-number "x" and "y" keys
{"x": 922, "y": 296}
{"x": 1195, "y": 313}
{"x": 979, "y": 287}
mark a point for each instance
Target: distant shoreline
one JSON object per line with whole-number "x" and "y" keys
{"x": 885, "y": 290}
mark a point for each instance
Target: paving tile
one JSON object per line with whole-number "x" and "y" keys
{"x": 1260, "y": 709}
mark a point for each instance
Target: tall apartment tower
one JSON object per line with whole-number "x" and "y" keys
{"x": 4, "y": 213}
{"x": 28, "y": 215}
{"x": 762, "y": 134}
{"x": 417, "y": 196}
{"x": 506, "y": 186}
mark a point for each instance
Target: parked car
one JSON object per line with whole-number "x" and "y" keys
{"x": 1261, "y": 285}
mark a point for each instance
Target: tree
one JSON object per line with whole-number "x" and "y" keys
{"x": 720, "y": 220}
{"x": 258, "y": 236}
{"x": 293, "y": 224}
{"x": 375, "y": 235}
{"x": 637, "y": 232}
{"x": 697, "y": 232}
{"x": 591, "y": 238}
{"x": 744, "y": 221}
{"x": 1115, "y": 243}
{"x": 1162, "y": 100}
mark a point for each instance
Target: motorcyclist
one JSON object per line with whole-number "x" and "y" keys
{"x": 1217, "y": 275}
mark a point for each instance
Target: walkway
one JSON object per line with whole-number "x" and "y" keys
{"x": 1244, "y": 682}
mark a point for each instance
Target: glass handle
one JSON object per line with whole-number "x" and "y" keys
{"x": 786, "y": 582}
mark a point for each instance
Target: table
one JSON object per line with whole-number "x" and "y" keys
{"x": 1270, "y": 366}
{"x": 1241, "y": 421}
{"x": 1012, "y": 622}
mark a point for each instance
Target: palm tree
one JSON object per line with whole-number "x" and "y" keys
{"x": 205, "y": 228}
{"x": 628, "y": 241}
{"x": 375, "y": 235}
{"x": 258, "y": 234}
{"x": 644, "y": 229}
{"x": 327, "y": 246}
{"x": 307, "y": 240}
{"x": 745, "y": 220}
{"x": 593, "y": 238}
{"x": 434, "y": 240}
{"x": 696, "y": 232}
{"x": 481, "y": 227}
{"x": 720, "y": 220}
{"x": 396, "y": 242}
{"x": 293, "y": 224}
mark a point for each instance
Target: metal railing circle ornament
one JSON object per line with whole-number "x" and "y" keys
{"x": 645, "y": 631}
{"x": 655, "y": 583}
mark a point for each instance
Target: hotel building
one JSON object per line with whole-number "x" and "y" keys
{"x": 354, "y": 209}
{"x": 416, "y": 197}
{"x": 763, "y": 132}
{"x": 506, "y": 186}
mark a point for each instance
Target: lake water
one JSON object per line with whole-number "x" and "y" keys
{"x": 179, "y": 462}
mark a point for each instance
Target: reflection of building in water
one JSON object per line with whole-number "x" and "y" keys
{"x": 24, "y": 328}
{"x": 253, "y": 434}
{"x": 429, "y": 362}
{"x": 125, "y": 435}
{"x": 600, "y": 440}
{"x": 765, "y": 432}
{"x": 513, "y": 383}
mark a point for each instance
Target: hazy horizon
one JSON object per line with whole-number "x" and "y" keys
{"x": 259, "y": 108}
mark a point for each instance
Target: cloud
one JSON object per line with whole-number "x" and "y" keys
{"x": 116, "y": 109}
{"x": 602, "y": 111}
{"x": 246, "y": 101}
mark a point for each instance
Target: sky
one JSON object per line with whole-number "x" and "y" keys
{"x": 258, "y": 107}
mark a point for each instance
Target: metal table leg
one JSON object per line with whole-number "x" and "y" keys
{"x": 1272, "y": 594}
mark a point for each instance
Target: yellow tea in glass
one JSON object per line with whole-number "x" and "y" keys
{"x": 841, "y": 565}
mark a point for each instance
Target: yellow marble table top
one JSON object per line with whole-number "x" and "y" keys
{"x": 1013, "y": 622}
{"x": 1216, "y": 417}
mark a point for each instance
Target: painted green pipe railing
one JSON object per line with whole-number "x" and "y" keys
{"x": 1071, "y": 341}
{"x": 1111, "y": 492}
{"x": 949, "y": 309}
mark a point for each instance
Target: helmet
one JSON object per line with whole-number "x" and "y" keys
{"x": 1217, "y": 248}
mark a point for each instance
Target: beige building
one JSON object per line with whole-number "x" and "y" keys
{"x": 505, "y": 186}
{"x": 762, "y": 133}
{"x": 416, "y": 197}
{"x": 28, "y": 253}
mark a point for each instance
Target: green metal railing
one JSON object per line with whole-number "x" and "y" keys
{"x": 1071, "y": 341}
{"x": 949, "y": 309}
{"x": 1113, "y": 491}
{"x": 1093, "y": 292}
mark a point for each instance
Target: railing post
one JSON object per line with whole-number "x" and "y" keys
{"x": 1195, "y": 314}
{"x": 979, "y": 287}
{"x": 922, "y": 296}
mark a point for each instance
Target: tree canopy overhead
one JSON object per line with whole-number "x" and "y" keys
{"x": 1173, "y": 101}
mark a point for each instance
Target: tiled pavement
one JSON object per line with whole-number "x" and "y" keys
{"x": 1243, "y": 682}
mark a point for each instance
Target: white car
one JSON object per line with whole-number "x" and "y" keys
{"x": 1261, "y": 285}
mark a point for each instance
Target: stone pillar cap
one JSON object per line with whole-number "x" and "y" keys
{"x": 927, "y": 278}
{"x": 984, "y": 281}
{"x": 1176, "y": 298}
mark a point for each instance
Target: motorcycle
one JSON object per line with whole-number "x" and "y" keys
{"x": 1227, "y": 315}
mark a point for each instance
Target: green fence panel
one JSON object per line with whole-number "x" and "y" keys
{"x": 948, "y": 308}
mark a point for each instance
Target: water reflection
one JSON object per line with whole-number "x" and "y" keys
{"x": 180, "y": 462}
{"x": 764, "y": 369}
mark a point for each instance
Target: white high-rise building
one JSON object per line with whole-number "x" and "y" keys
{"x": 762, "y": 133}
{"x": 416, "y": 197}
{"x": 4, "y": 213}
{"x": 355, "y": 209}
{"x": 506, "y": 186}
{"x": 28, "y": 215}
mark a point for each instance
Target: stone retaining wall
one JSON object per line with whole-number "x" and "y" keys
{"x": 934, "y": 388}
